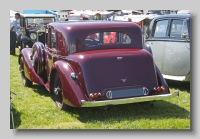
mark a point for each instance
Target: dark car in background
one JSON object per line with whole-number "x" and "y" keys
{"x": 33, "y": 28}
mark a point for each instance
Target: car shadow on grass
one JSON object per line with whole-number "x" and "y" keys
{"x": 160, "y": 110}
{"x": 15, "y": 120}
{"x": 182, "y": 86}
{"x": 41, "y": 90}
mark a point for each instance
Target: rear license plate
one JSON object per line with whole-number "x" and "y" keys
{"x": 124, "y": 93}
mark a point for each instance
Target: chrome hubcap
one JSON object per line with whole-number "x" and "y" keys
{"x": 56, "y": 91}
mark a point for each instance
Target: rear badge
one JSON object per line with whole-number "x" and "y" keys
{"x": 119, "y": 57}
{"x": 109, "y": 94}
{"x": 123, "y": 80}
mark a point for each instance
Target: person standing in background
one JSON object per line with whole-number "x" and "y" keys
{"x": 14, "y": 33}
{"x": 112, "y": 17}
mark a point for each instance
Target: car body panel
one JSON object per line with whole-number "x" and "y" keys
{"x": 171, "y": 54}
{"x": 101, "y": 69}
{"x": 73, "y": 93}
{"x": 29, "y": 70}
{"x": 158, "y": 49}
{"x": 180, "y": 53}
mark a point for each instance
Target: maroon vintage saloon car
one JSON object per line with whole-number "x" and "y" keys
{"x": 81, "y": 69}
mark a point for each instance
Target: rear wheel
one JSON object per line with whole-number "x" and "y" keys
{"x": 26, "y": 82}
{"x": 57, "y": 93}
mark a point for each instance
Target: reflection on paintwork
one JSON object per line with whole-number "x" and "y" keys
{"x": 65, "y": 66}
{"x": 81, "y": 56}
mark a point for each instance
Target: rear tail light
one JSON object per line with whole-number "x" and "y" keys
{"x": 92, "y": 96}
{"x": 155, "y": 89}
{"x": 99, "y": 94}
{"x": 162, "y": 88}
{"x": 95, "y": 95}
{"x": 159, "y": 89}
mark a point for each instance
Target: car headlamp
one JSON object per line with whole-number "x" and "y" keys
{"x": 33, "y": 36}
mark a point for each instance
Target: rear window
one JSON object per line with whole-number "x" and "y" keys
{"x": 107, "y": 38}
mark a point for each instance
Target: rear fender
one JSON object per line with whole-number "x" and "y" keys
{"x": 29, "y": 70}
{"x": 148, "y": 48}
{"x": 38, "y": 57}
{"x": 72, "y": 92}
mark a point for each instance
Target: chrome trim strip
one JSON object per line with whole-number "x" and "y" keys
{"x": 127, "y": 100}
{"x": 177, "y": 78}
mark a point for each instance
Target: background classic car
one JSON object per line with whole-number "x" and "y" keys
{"x": 33, "y": 28}
{"x": 169, "y": 42}
{"x": 81, "y": 70}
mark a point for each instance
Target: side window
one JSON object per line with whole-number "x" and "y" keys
{"x": 53, "y": 39}
{"x": 179, "y": 29}
{"x": 49, "y": 37}
{"x": 160, "y": 29}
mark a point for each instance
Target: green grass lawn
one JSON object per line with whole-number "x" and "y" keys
{"x": 33, "y": 108}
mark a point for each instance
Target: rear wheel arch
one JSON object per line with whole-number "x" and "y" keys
{"x": 148, "y": 48}
{"x": 58, "y": 98}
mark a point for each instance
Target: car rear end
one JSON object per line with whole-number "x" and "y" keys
{"x": 114, "y": 72}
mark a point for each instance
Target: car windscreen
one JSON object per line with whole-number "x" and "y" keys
{"x": 38, "y": 22}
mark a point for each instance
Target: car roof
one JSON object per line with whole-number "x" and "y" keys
{"x": 73, "y": 27}
{"x": 76, "y": 31}
{"x": 37, "y": 15}
{"x": 81, "y": 24}
{"x": 173, "y": 16}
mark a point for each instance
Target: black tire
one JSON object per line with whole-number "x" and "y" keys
{"x": 26, "y": 82}
{"x": 21, "y": 46}
{"x": 57, "y": 94}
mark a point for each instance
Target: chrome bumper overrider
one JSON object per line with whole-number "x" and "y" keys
{"x": 127, "y": 100}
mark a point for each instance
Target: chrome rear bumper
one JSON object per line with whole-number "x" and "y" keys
{"x": 127, "y": 100}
